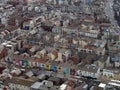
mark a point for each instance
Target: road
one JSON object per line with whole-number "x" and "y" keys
{"x": 110, "y": 13}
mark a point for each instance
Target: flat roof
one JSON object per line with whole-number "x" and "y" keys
{"x": 114, "y": 84}
{"x": 36, "y": 85}
{"x": 102, "y": 85}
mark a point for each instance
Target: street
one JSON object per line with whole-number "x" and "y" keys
{"x": 110, "y": 13}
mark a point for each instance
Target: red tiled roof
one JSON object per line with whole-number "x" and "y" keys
{"x": 55, "y": 53}
{"x": 89, "y": 47}
{"x": 11, "y": 28}
{"x": 28, "y": 46}
{"x": 41, "y": 60}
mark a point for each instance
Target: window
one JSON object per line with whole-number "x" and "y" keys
{"x": 93, "y": 52}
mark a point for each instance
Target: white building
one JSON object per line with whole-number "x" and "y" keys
{"x": 108, "y": 73}
{"x": 91, "y": 71}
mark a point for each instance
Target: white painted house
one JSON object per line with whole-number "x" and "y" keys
{"x": 91, "y": 71}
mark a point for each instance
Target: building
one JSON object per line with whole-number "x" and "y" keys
{"x": 89, "y": 71}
